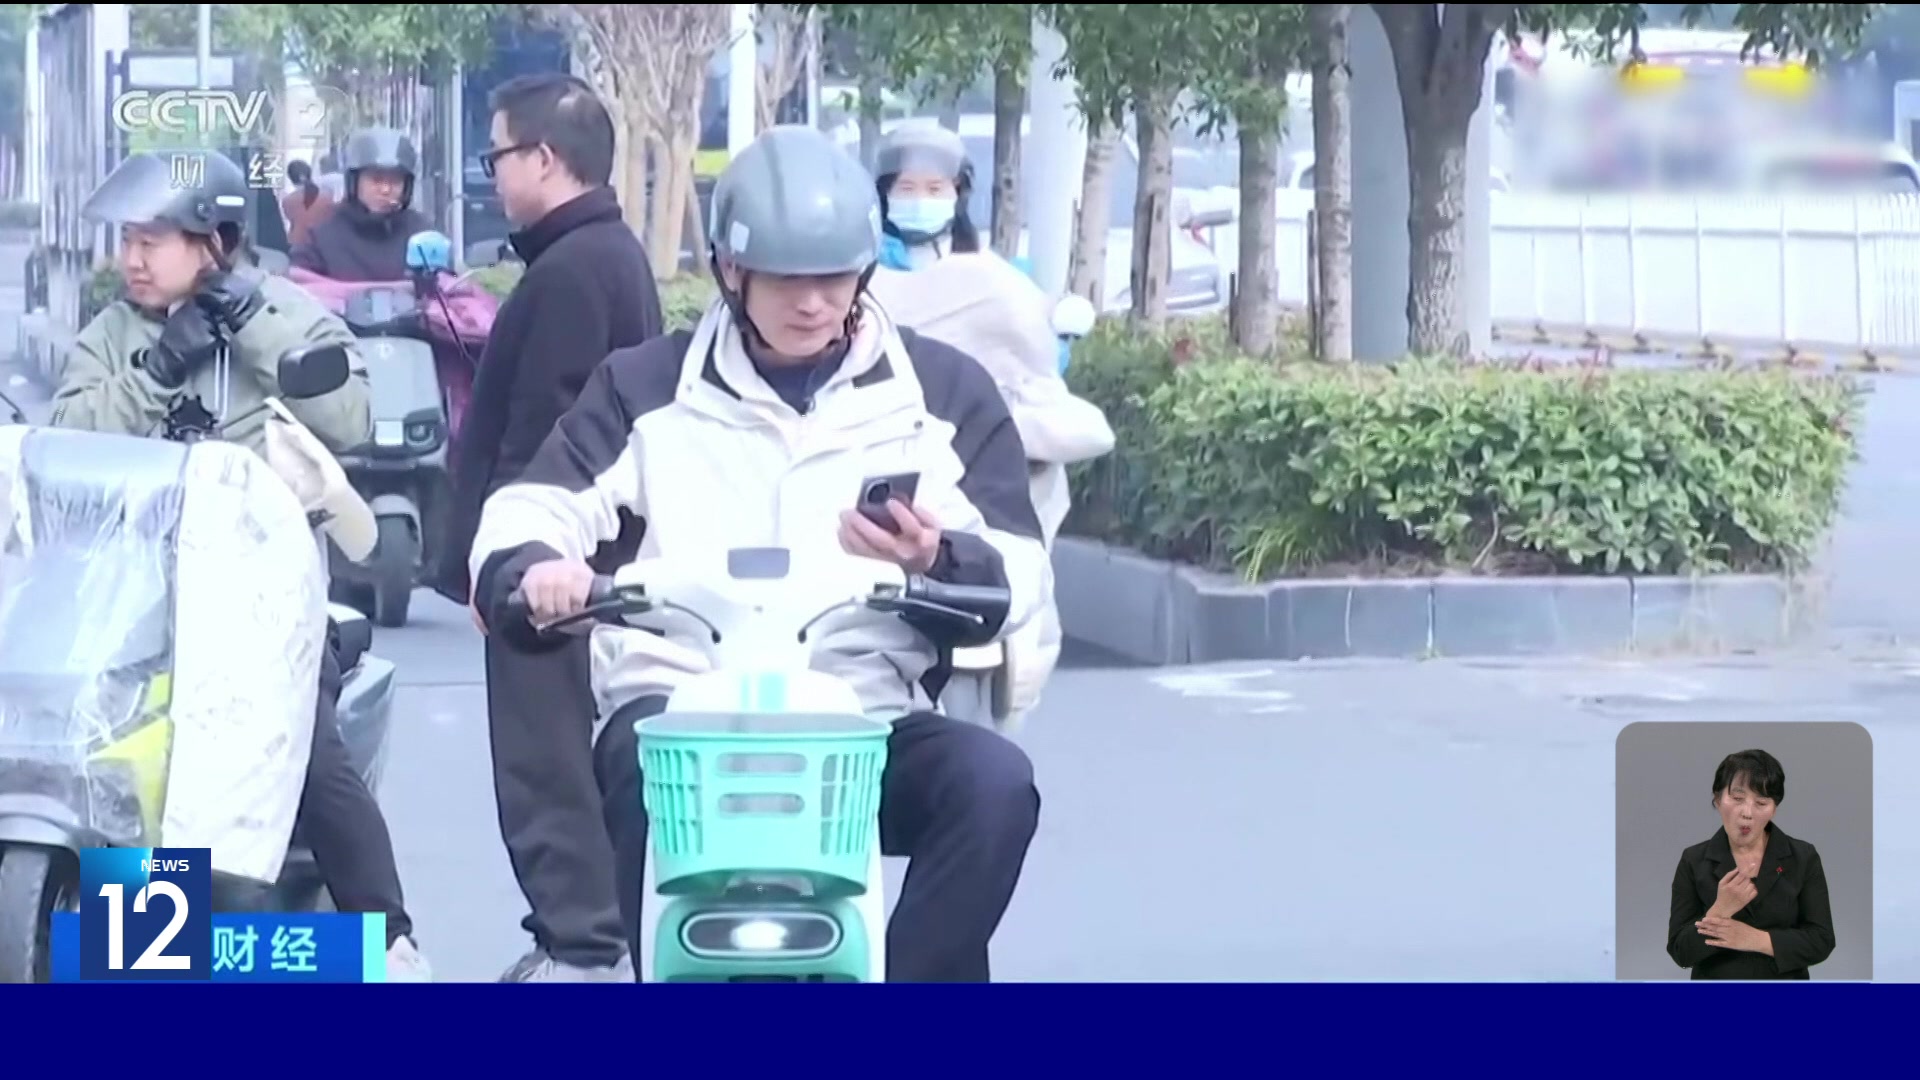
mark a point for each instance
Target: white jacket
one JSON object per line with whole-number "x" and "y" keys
{"x": 987, "y": 308}
{"x": 683, "y": 442}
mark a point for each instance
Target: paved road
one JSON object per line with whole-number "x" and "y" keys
{"x": 1338, "y": 821}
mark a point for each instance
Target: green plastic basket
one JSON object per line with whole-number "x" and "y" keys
{"x": 774, "y": 794}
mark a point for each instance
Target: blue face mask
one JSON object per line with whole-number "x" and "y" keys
{"x": 921, "y": 216}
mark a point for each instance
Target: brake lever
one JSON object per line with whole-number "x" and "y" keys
{"x": 899, "y": 605}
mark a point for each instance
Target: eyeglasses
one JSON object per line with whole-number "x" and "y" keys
{"x": 491, "y": 159}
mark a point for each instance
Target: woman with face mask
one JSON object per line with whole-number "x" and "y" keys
{"x": 937, "y": 279}
{"x": 925, "y": 182}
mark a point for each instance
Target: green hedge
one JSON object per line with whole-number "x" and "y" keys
{"x": 1305, "y": 469}
{"x": 683, "y": 299}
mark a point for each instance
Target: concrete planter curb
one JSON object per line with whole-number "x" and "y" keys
{"x": 1156, "y": 612}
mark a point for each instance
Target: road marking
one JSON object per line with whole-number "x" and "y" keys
{"x": 1227, "y": 685}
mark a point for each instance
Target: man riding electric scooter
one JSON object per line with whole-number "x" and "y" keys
{"x": 150, "y": 360}
{"x": 364, "y": 261}
{"x": 797, "y": 416}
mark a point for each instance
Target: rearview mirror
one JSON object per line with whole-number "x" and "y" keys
{"x": 1210, "y": 219}
{"x": 313, "y": 371}
{"x": 429, "y": 250}
{"x": 1073, "y": 316}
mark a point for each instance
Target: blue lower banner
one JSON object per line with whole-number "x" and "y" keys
{"x": 268, "y": 947}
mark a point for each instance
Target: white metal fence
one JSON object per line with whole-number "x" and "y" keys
{"x": 1812, "y": 271}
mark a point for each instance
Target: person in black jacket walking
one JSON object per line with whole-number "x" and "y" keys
{"x": 588, "y": 290}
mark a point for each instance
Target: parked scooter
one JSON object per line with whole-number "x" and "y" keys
{"x": 402, "y": 472}
{"x": 158, "y": 600}
{"x": 762, "y": 777}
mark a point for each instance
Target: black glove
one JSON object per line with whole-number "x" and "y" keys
{"x": 190, "y": 338}
{"x": 233, "y": 299}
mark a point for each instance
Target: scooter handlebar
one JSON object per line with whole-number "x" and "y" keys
{"x": 968, "y": 614}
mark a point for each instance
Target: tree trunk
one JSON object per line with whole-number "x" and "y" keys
{"x": 630, "y": 170}
{"x": 871, "y": 106}
{"x": 1086, "y": 274}
{"x": 1009, "y": 109}
{"x": 1256, "y": 302}
{"x": 950, "y": 114}
{"x": 1152, "y": 209}
{"x": 696, "y": 226}
{"x": 673, "y": 187}
{"x": 1440, "y": 65}
{"x": 1333, "y": 180}
{"x": 1437, "y": 231}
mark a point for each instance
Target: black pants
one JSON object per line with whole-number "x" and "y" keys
{"x": 540, "y": 714}
{"x": 341, "y": 823}
{"x": 957, "y": 799}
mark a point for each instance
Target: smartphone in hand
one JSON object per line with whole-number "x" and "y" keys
{"x": 877, "y": 491}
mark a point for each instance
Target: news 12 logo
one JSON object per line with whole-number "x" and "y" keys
{"x": 147, "y": 915}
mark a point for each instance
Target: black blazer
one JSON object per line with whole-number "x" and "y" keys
{"x": 1792, "y": 906}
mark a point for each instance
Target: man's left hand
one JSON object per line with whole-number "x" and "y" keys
{"x": 229, "y": 297}
{"x": 913, "y": 549}
{"x": 1735, "y": 935}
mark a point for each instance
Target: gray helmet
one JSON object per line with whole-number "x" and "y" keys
{"x": 793, "y": 203}
{"x": 380, "y": 148}
{"x": 923, "y": 146}
{"x": 195, "y": 191}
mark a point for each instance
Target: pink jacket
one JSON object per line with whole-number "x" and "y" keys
{"x": 459, "y": 327}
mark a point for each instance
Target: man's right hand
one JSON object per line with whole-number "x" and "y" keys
{"x": 1736, "y": 892}
{"x": 556, "y": 589}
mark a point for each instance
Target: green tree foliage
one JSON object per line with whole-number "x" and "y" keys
{"x": 335, "y": 39}
{"x": 1132, "y": 62}
{"x": 1251, "y": 50}
{"x": 177, "y": 26}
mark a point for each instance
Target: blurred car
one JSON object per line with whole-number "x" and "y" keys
{"x": 1832, "y": 167}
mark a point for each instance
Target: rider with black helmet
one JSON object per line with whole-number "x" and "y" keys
{"x": 365, "y": 239}
{"x": 190, "y": 291}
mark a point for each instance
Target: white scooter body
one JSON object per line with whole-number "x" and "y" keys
{"x": 760, "y": 601}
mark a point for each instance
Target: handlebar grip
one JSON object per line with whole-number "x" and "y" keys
{"x": 989, "y": 602}
{"x": 601, "y": 590}
{"x": 519, "y": 612}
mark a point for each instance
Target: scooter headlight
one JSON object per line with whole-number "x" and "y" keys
{"x": 790, "y": 934}
{"x": 759, "y": 935}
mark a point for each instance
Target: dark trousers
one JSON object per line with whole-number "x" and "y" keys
{"x": 340, "y": 822}
{"x": 957, "y": 799}
{"x": 540, "y": 714}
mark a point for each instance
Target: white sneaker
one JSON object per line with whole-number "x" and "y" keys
{"x": 537, "y": 966}
{"x": 405, "y": 964}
